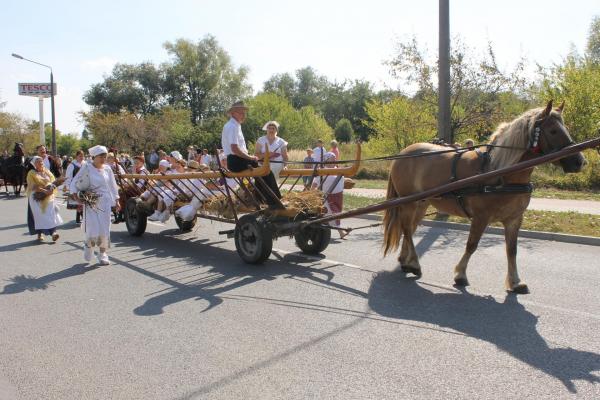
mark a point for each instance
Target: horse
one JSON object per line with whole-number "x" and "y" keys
{"x": 13, "y": 170}
{"x": 535, "y": 132}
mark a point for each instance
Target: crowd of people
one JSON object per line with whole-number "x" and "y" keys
{"x": 90, "y": 182}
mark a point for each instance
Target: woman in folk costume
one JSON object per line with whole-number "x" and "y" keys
{"x": 335, "y": 187}
{"x": 72, "y": 170}
{"x": 42, "y": 212}
{"x": 97, "y": 179}
{"x": 277, "y": 147}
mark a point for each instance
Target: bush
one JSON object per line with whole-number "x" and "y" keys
{"x": 552, "y": 176}
{"x": 343, "y": 131}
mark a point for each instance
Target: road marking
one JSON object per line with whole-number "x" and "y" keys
{"x": 325, "y": 260}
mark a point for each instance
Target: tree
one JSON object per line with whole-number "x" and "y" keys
{"x": 138, "y": 89}
{"x": 399, "y": 123}
{"x": 300, "y": 128}
{"x": 344, "y": 131}
{"x": 202, "y": 78}
{"x": 593, "y": 41}
{"x": 283, "y": 85}
{"x": 127, "y": 131}
{"x": 14, "y": 128}
{"x": 577, "y": 83}
{"x": 477, "y": 85}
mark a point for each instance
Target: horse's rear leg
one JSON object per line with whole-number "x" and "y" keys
{"x": 478, "y": 225}
{"x": 410, "y": 217}
{"x": 511, "y": 234}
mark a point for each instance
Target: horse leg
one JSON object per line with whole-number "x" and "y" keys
{"x": 511, "y": 234}
{"x": 478, "y": 225}
{"x": 409, "y": 258}
{"x": 418, "y": 215}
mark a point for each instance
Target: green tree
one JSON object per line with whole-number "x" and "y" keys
{"x": 300, "y": 128}
{"x": 577, "y": 83}
{"x": 138, "y": 89}
{"x": 478, "y": 86}
{"x": 202, "y": 78}
{"x": 399, "y": 123}
{"x": 593, "y": 41}
{"x": 67, "y": 144}
{"x": 344, "y": 131}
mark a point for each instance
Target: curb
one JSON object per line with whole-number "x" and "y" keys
{"x": 557, "y": 237}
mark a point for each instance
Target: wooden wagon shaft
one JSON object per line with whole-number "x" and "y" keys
{"x": 459, "y": 184}
{"x": 347, "y": 172}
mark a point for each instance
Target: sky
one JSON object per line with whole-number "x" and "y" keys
{"x": 342, "y": 39}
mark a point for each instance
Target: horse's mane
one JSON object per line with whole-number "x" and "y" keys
{"x": 515, "y": 134}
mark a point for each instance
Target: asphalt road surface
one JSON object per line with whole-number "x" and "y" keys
{"x": 179, "y": 316}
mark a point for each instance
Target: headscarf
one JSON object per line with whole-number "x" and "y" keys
{"x": 34, "y": 159}
{"x": 97, "y": 150}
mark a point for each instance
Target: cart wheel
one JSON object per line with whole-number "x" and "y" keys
{"x": 313, "y": 239}
{"x": 185, "y": 226}
{"x": 135, "y": 220}
{"x": 253, "y": 241}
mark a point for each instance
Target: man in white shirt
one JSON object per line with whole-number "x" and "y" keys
{"x": 238, "y": 159}
{"x": 319, "y": 152}
{"x": 41, "y": 152}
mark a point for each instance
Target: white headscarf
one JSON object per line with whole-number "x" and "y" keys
{"x": 164, "y": 163}
{"x": 97, "y": 150}
{"x": 275, "y": 123}
{"x": 176, "y": 155}
{"x": 34, "y": 159}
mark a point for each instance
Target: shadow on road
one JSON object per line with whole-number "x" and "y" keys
{"x": 21, "y": 283}
{"x": 508, "y": 325}
{"x": 216, "y": 270}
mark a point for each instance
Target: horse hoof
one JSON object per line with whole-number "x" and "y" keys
{"x": 521, "y": 288}
{"x": 407, "y": 269}
{"x": 461, "y": 282}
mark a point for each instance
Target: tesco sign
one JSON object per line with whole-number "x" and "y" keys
{"x": 36, "y": 89}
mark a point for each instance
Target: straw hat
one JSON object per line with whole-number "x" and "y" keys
{"x": 238, "y": 105}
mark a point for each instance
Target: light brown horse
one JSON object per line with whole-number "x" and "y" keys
{"x": 538, "y": 131}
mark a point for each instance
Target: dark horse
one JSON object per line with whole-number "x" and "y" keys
{"x": 14, "y": 169}
{"x": 536, "y": 132}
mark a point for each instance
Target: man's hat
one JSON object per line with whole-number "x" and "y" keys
{"x": 238, "y": 105}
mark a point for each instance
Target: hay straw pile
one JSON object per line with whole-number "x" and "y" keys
{"x": 307, "y": 201}
{"x": 310, "y": 201}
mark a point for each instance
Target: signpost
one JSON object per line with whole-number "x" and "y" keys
{"x": 41, "y": 91}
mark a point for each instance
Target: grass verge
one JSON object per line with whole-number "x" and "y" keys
{"x": 546, "y": 221}
{"x": 538, "y": 193}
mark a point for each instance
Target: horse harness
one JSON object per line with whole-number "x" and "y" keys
{"x": 499, "y": 188}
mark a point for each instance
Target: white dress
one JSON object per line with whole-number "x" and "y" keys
{"x": 96, "y": 221}
{"x": 277, "y": 146}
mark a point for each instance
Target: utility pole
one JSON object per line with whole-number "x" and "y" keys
{"x": 444, "y": 131}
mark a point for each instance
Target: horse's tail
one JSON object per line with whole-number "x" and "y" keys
{"x": 392, "y": 229}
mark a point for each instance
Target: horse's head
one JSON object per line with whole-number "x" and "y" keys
{"x": 550, "y": 134}
{"x": 18, "y": 150}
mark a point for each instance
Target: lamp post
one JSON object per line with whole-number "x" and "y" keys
{"x": 444, "y": 113}
{"x": 51, "y": 99}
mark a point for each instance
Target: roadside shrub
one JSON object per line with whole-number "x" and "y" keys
{"x": 552, "y": 176}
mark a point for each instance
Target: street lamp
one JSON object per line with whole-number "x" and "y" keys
{"x": 51, "y": 98}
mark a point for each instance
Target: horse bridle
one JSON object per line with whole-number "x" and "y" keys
{"x": 534, "y": 138}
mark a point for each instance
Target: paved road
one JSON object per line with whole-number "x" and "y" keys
{"x": 178, "y": 316}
